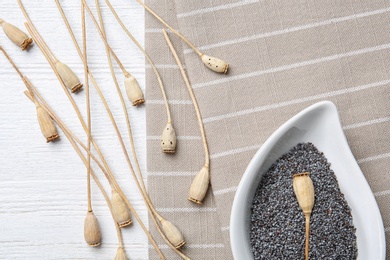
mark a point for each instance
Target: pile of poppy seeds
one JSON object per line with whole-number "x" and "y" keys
{"x": 277, "y": 224}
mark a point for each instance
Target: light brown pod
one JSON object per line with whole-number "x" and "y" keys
{"x": 168, "y": 139}
{"x": 69, "y": 78}
{"x": 215, "y": 64}
{"x": 133, "y": 91}
{"x": 173, "y": 234}
{"x": 47, "y": 125}
{"x": 16, "y": 35}
{"x": 120, "y": 210}
{"x": 200, "y": 185}
{"x": 304, "y": 191}
{"x": 120, "y": 254}
{"x": 92, "y": 233}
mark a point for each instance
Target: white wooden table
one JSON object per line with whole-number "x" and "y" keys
{"x": 43, "y": 186}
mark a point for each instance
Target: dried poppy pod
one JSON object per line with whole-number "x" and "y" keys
{"x": 304, "y": 191}
{"x": 133, "y": 91}
{"x": 173, "y": 234}
{"x": 215, "y": 64}
{"x": 92, "y": 233}
{"x": 120, "y": 210}
{"x": 69, "y": 78}
{"x": 47, "y": 125}
{"x": 168, "y": 139}
{"x": 16, "y": 35}
{"x": 120, "y": 254}
{"x": 200, "y": 185}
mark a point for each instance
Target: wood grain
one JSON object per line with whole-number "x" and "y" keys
{"x": 43, "y": 186}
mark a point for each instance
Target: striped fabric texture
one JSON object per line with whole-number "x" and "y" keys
{"x": 284, "y": 56}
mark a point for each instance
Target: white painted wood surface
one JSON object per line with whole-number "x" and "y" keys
{"x": 43, "y": 186}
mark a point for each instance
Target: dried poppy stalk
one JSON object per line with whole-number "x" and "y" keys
{"x": 168, "y": 137}
{"x": 201, "y": 181}
{"x": 304, "y": 191}
{"x": 212, "y": 63}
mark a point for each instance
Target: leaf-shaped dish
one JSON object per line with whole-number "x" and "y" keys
{"x": 320, "y": 125}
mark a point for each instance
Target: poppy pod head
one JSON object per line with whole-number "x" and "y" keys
{"x": 200, "y": 185}
{"x": 120, "y": 210}
{"x": 16, "y": 35}
{"x": 92, "y": 233}
{"x": 215, "y": 64}
{"x": 133, "y": 91}
{"x": 69, "y": 78}
{"x": 47, "y": 125}
{"x": 304, "y": 191}
{"x": 168, "y": 139}
{"x": 173, "y": 234}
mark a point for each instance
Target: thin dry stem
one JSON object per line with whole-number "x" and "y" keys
{"x": 170, "y": 28}
{"x": 51, "y": 54}
{"x": 307, "y": 219}
{"x": 11, "y": 61}
{"x": 125, "y": 72}
{"x": 25, "y": 80}
{"x": 114, "y": 183}
{"x": 87, "y": 97}
{"x": 201, "y": 126}
{"x": 146, "y": 56}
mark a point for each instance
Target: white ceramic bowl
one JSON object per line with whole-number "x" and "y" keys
{"x": 320, "y": 125}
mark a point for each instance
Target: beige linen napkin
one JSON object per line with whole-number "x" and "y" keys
{"x": 284, "y": 56}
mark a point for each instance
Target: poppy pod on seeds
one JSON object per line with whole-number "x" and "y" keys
{"x": 69, "y": 78}
{"x": 133, "y": 91}
{"x": 304, "y": 191}
{"x": 120, "y": 254}
{"x": 16, "y": 35}
{"x": 92, "y": 230}
{"x": 200, "y": 185}
{"x": 215, "y": 64}
{"x": 47, "y": 125}
{"x": 173, "y": 234}
{"x": 168, "y": 139}
{"x": 120, "y": 210}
